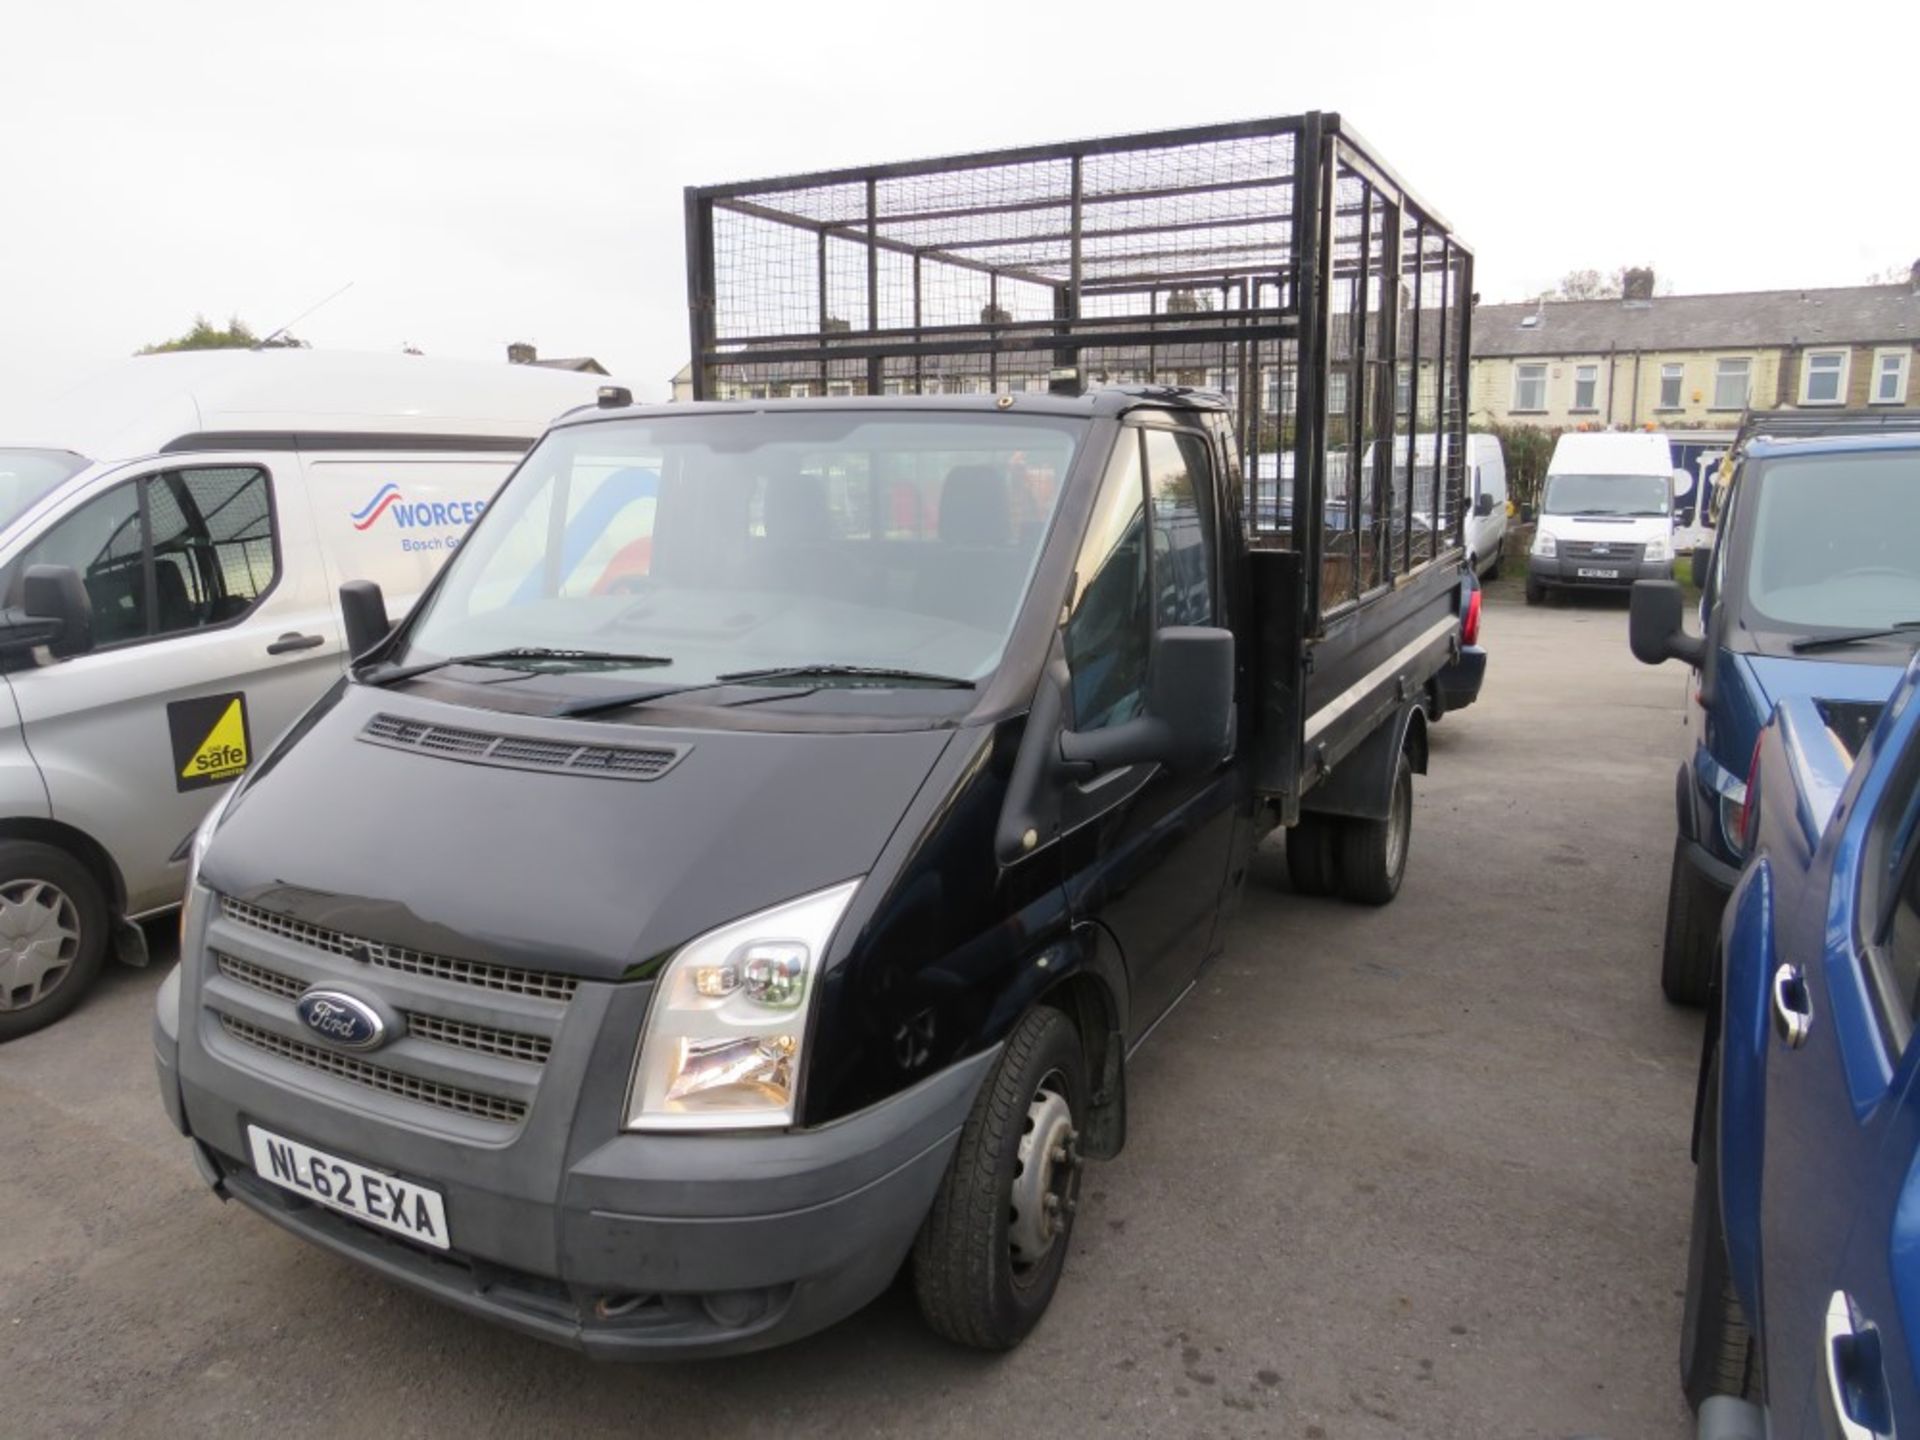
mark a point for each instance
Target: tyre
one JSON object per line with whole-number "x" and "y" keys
{"x": 1372, "y": 854}
{"x": 53, "y": 935}
{"x": 988, "y": 1257}
{"x": 1693, "y": 923}
{"x": 1536, "y": 592}
{"x": 1717, "y": 1352}
{"x": 1492, "y": 572}
{"x": 1311, "y": 860}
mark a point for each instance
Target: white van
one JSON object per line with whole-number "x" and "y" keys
{"x": 172, "y": 536}
{"x": 1606, "y": 513}
{"x": 1486, "y": 503}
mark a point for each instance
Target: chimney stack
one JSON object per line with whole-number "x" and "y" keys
{"x": 521, "y": 353}
{"x": 1637, "y": 283}
{"x": 1913, "y": 276}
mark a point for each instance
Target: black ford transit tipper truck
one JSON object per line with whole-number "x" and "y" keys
{"x": 751, "y": 863}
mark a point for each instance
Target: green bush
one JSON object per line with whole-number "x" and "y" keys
{"x": 1527, "y": 448}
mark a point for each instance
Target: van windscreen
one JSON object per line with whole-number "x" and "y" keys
{"x": 27, "y": 476}
{"x": 743, "y": 541}
{"x": 1569, "y": 494}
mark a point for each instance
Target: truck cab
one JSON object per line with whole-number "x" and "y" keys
{"x": 1811, "y": 591}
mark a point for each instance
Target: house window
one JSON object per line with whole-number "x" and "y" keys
{"x": 839, "y": 387}
{"x": 1529, "y": 387}
{"x": 1671, "y": 377}
{"x": 1823, "y": 378}
{"x": 800, "y": 390}
{"x": 1337, "y": 393}
{"x": 1403, "y": 390}
{"x": 1890, "y": 376}
{"x": 1586, "y": 387}
{"x": 1730, "y": 384}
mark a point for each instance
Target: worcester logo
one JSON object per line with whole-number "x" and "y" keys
{"x": 417, "y": 515}
{"x": 341, "y": 1018}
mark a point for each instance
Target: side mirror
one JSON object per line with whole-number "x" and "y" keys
{"x": 364, "y": 609}
{"x": 1483, "y": 504}
{"x": 54, "y": 611}
{"x": 1655, "y": 630}
{"x": 1188, "y": 722}
{"x": 1700, "y": 564}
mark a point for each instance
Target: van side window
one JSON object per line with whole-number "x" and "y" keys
{"x": 1180, "y": 482}
{"x": 1106, "y": 638}
{"x": 178, "y": 551}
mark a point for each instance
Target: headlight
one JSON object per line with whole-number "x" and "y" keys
{"x": 1658, "y": 550}
{"x": 194, "y": 896}
{"x": 1545, "y": 546}
{"x": 725, "y": 1032}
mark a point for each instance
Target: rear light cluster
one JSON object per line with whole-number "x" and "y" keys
{"x": 1740, "y": 811}
{"x": 1470, "y": 622}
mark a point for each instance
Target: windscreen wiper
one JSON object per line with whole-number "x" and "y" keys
{"x": 594, "y": 704}
{"x": 392, "y": 674}
{"x": 1851, "y": 637}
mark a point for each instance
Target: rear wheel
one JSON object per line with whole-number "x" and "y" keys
{"x": 1686, "y": 951}
{"x": 1536, "y": 592}
{"x": 1492, "y": 572}
{"x": 1373, "y": 853}
{"x": 53, "y": 935}
{"x": 1311, "y": 861}
{"x": 988, "y": 1258}
{"x": 1717, "y": 1352}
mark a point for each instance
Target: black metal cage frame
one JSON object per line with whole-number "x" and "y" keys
{"x": 1257, "y": 259}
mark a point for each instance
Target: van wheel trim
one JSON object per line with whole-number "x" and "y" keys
{"x": 39, "y": 941}
{"x": 1046, "y": 1181}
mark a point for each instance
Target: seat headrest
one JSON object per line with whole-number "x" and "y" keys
{"x": 974, "y": 507}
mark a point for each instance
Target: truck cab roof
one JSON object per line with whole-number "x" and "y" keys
{"x": 1767, "y": 447}
{"x": 1094, "y": 402}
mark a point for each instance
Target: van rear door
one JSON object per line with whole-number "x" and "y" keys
{"x": 214, "y": 629}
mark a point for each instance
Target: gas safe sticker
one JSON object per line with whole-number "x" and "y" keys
{"x": 211, "y": 742}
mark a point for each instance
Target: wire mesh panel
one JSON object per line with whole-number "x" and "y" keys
{"x": 1274, "y": 262}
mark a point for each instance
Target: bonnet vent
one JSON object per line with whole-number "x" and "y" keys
{"x": 523, "y": 752}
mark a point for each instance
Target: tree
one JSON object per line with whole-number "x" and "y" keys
{"x": 1587, "y": 285}
{"x": 1892, "y": 275}
{"x": 1186, "y": 302}
{"x": 237, "y": 336}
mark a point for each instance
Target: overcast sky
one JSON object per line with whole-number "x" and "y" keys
{"x": 487, "y": 173}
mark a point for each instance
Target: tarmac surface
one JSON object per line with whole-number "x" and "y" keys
{"x": 1419, "y": 1171}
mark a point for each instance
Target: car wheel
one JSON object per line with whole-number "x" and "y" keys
{"x": 1686, "y": 950}
{"x": 1536, "y": 592}
{"x": 987, "y": 1259}
{"x": 1373, "y": 853}
{"x": 1312, "y": 864}
{"x": 53, "y": 935}
{"x": 1717, "y": 1352}
{"x": 1492, "y": 572}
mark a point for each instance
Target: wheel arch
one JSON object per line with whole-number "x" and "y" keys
{"x": 1093, "y": 995}
{"x": 81, "y": 846}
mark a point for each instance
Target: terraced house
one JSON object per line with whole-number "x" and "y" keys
{"x": 1693, "y": 362}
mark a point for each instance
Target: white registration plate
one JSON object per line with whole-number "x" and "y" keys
{"x": 370, "y": 1195}
{"x": 1598, "y": 574}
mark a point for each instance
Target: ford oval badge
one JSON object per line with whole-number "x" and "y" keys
{"x": 338, "y": 1017}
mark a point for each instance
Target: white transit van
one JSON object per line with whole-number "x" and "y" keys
{"x": 1606, "y": 514}
{"x": 172, "y": 537}
{"x": 1487, "y": 503}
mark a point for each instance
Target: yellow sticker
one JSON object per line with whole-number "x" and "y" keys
{"x": 210, "y": 740}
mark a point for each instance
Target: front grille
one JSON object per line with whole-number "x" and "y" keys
{"x": 521, "y": 752}
{"x": 376, "y": 1077}
{"x": 506, "y": 978}
{"x": 483, "y": 1039}
{"x": 1605, "y": 552}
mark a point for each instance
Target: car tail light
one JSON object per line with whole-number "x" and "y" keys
{"x": 1740, "y": 810}
{"x": 1470, "y": 622}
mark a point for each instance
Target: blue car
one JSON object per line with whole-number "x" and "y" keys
{"x": 1802, "y": 1311}
{"x": 1812, "y": 591}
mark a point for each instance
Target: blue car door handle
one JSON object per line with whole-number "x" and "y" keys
{"x": 1792, "y": 1007}
{"x": 1856, "y": 1389}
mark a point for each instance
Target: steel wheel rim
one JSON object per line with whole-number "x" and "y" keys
{"x": 39, "y": 941}
{"x": 1399, "y": 814}
{"x": 1046, "y": 1178}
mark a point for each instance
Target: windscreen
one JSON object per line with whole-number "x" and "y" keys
{"x": 729, "y": 542}
{"x": 26, "y": 476}
{"x": 1569, "y": 494}
{"x": 1835, "y": 541}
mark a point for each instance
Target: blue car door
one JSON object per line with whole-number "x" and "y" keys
{"x": 1840, "y": 1206}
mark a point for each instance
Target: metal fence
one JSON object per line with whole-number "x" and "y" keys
{"x": 1274, "y": 261}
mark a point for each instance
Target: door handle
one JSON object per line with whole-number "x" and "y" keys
{"x": 1856, "y": 1376}
{"x": 294, "y": 640}
{"x": 1792, "y": 1010}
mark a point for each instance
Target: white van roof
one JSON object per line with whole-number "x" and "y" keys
{"x": 143, "y": 405}
{"x": 1611, "y": 452}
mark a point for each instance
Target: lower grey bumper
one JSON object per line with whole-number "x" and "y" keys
{"x": 674, "y": 1246}
{"x": 1458, "y": 682}
{"x": 1567, "y": 572}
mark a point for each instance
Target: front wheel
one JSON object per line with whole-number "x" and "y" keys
{"x": 1536, "y": 592}
{"x": 53, "y": 935}
{"x": 988, "y": 1258}
{"x": 1373, "y": 853}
